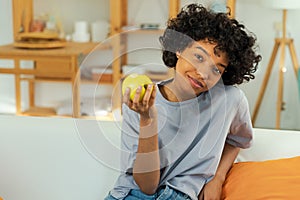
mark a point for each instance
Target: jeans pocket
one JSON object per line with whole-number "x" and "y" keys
{"x": 185, "y": 197}
{"x": 136, "y": 194}
{"x": 171, "y": 194}
{"x": 165, "y": 193}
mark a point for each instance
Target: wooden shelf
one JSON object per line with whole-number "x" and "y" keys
{"x": 158, "y": 76}
{"x": 102, "y": 45}
{"x": 143, "y": 31}
{"x": 66, "y": 80}
{"x": 90, "y": 81}
{"x": 109, "y": 117}
{"x": 50, "y": 112}
{"x": 54, "y": 80}
{"x": 39, "y": 111}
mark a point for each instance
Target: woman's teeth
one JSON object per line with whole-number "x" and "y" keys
{"x": 196, "y": 83}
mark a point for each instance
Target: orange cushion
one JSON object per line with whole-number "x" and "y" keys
{"x": 266, "y": 180}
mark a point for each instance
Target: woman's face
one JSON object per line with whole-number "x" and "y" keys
{"x": 199, "y": 67}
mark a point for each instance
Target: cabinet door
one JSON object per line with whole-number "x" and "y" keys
{"x": 54, "y": 68}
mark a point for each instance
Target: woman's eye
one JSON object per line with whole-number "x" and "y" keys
{"x": 199, "y": 57}
{"x": 216, "y": 70}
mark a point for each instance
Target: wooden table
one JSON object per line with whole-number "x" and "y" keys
{"x": 60, "y": 64}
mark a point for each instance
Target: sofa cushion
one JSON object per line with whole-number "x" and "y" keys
{"x": 272, "y": 179}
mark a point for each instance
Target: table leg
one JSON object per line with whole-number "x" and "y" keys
{"x": 76, "y": 89}
{"x": 17, "y": 87}
{"x": 31, "y": 93}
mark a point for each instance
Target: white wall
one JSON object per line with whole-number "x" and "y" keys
{"x": 7, "y": 97}
{"x": 6, "y": 22}
{"x": 258, "y": 19}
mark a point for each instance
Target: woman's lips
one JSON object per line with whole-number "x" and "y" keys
{"x": 196, "y": 83}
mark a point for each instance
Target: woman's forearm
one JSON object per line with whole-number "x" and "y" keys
{"x": 146, "y": 172}
{"x": 228, "y": 156}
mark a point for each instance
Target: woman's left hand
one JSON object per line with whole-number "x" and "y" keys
{"x": 212, "y": 190}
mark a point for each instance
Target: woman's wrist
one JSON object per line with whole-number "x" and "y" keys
{"x": 145, "y": 120}
{"x": 220, "y": 177}
{"x": 148, "y": 125}
{"x": 148, "y": 118}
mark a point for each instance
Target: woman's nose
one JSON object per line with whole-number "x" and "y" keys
{"x": 203, "y": 73}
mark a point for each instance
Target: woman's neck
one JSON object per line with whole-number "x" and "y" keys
{"x": 171, "y": 91}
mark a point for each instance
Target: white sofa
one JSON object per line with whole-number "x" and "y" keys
{"x": 68, "y": 159}
{"x": 49, "y": 159}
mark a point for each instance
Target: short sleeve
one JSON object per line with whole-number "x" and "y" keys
{"x": 241, "y": 131}
{"x": 129, "y": 139}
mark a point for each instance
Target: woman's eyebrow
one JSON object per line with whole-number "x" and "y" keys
{"x": 202, "y": 49}
{"x": 222, "y": 65}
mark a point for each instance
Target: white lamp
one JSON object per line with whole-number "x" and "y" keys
{"x": 282, "y": 42}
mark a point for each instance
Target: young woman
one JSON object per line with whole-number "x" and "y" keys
{"x": 180, "y": 141}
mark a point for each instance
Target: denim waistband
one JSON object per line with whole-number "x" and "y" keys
{"x": 163, "y": 193}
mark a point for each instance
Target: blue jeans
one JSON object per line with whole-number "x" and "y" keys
{"x": 166, "y": 193}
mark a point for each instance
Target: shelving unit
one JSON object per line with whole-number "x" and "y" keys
{"x": 50, "y": 65}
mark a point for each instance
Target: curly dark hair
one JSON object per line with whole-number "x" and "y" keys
{"x": 196, "y": 23}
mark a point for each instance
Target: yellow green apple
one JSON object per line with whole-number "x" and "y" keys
{"x": 132, "y": 81}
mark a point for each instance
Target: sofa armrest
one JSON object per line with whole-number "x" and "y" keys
{"x": 271, "y": 144}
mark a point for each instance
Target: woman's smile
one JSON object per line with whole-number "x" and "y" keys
{"x": 195, "y": 83}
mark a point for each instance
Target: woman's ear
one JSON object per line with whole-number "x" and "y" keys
{"x": 177, "y": 54}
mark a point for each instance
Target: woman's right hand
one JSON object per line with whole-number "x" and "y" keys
{"x": 146, "y": 106}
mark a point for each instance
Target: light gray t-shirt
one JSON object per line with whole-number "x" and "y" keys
{"x": 219, "y": 115}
